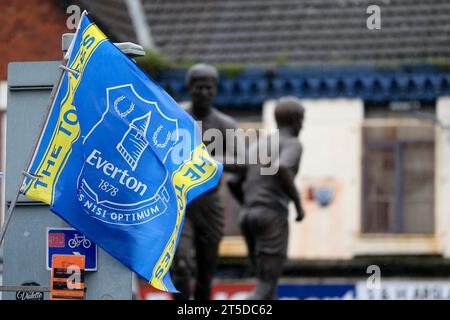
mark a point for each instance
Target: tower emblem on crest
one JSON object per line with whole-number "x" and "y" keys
{"x": 134, "y": 141}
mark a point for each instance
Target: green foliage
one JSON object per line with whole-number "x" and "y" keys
{"x": 444, "y": 64}
{"x": 156, "y": 63}
{"x": 230, "y": 70}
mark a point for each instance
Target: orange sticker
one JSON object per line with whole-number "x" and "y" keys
{"x": 67, "y": 277}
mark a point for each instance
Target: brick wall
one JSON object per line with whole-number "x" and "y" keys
{"x": 30, "y": 30}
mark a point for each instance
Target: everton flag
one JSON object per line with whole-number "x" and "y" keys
{"x": 118, "y": 159}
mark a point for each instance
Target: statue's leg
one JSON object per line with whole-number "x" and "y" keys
{"x": 269, "y": 269}
{"x": 245, "y": 224}
{"x": 208, "y": 218}
{"x": 207, "y": 254}
{"x": 182, "y": 265}
{"x": 271, "y": 233}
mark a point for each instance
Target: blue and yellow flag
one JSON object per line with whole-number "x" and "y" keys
{"x": 119, "y": 159}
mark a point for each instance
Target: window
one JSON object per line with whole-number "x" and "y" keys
{"x": 398, "y": 179}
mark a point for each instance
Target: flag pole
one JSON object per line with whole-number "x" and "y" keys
{"x": 24, "y": 173}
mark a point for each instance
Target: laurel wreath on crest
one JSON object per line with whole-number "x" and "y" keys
{"x": 155, "y": 138}
{"x": 126, "y": 112}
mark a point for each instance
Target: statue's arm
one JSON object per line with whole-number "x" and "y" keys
{"x": 235, "y": 183}
{"x": 290, "y": 157}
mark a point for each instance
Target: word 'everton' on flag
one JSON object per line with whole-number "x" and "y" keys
{"x": 118, "y": 159}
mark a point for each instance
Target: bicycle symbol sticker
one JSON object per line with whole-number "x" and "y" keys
{"x": 78, "y": 240}
{"x": 68, "y": 241}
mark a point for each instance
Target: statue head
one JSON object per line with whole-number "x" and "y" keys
{"x": 289, "y": 114}
{"x": 202, "y": 80}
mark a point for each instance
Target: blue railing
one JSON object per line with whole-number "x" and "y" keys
{"x": 252, "y": 86}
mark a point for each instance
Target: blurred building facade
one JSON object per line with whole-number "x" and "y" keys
{"x": 291, "y": 32}
{"x": 375, "y": 173}
{"x": 375, "y": 135}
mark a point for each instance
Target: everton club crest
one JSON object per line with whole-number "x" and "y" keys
{"x": 127, "y": 161}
